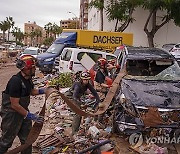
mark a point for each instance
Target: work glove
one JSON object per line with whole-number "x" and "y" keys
{"x": 41, "y": 90}
{"x": 95, "y": 105}
{"x": 35, "y": 117}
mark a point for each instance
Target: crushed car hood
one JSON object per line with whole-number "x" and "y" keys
{"x": 162, "y": 94}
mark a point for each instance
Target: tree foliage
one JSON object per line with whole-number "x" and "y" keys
{"x": 10, "y": 24}
{"x": 4, "y": 27}
{"x": 48, "y": 41}
{"x": 121, "y": 11}
{"x": 175, "y": 12}
{"x": 56, "y": 30}
{"x": 160, "y": 13}
{"x": 52, "y": 30}
{"x": 18, "y": 34}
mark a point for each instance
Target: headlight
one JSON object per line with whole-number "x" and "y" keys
{"x": 49, "y": 59}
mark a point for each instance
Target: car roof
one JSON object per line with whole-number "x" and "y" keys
{"x": 32, "y": 48}
{"x": 147, "y": 53}
{"x": 90, "y": 50}
{"x": 2, "y": 47}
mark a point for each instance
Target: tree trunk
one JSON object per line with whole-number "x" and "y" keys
{"x": 3, "y": 36}
{"x": 150, "y": 40}
{"x": 154, "y": 26}
{"x": 116, "y": 25}
{"x": 150, "y": 34}
{"x": 101, "y": 16}
{"x": 8, "y": 35}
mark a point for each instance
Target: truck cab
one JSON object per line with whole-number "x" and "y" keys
{"x": 46, "y": 60}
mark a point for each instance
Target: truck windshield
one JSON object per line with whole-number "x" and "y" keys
{"x": 55, "y": 48}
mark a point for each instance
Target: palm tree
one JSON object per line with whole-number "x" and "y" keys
{"x": 10, "y": 24}
{"x": 38, "y": 33}
{"x": 48, "y": 28}
{"x": 15, "y": 32}
{"x": 4, "y": 27}
{"x": 20, "y": 36}
{"x": 32, "y": 35}
{"x": 56, "y": 30}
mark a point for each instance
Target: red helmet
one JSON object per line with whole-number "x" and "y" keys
{"x": 85, "y": 76}
{"x": 102, "y": 62}
{"x": 26, "y": 61}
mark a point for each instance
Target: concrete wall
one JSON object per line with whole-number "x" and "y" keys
{"x": 169, "y": 33}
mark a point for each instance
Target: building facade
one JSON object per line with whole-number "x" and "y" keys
{"x": 169, "y": 33}
{"x": 33, "y": 39}
{"x": 70, "y": 23}
{"x": 83, "y": 14}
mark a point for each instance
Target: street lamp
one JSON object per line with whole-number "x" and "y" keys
{"x": 75, "y": 17}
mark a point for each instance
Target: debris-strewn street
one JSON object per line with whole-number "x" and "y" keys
{"x": 90, "y": 77}
{"x": 55, "y": 136}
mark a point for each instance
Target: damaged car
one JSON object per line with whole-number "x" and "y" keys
{"x": 148, "y": 96}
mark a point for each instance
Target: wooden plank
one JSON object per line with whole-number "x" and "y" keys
{"x": 177, "y": 146}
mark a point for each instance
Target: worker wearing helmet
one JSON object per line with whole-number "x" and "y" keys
{"x": 102, "y": 75}
{"x": 112, "y": 68}
{"x": 77, "y": 90}
{"x": 16, "y": 118}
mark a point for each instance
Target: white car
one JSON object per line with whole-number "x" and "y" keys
{"x": 79, "y": 59}
{"x": 175, "y": 51}
{"x": 34, "y": 51}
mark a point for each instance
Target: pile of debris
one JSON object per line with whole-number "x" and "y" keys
{"x": 56, "y": 132}
{"x": 93, "y": 136}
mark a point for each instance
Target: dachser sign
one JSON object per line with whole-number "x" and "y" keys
{"x": 108, "y": 39}
{"x": 101, "y": 39}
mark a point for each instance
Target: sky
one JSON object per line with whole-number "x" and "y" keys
{"x": 40, "y": 11}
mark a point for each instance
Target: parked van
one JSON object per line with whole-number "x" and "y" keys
{"x": 71, "y": 59}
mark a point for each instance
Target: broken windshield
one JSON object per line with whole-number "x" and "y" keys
{"x": 153, "y": 70}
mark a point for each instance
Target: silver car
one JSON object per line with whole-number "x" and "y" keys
{"x": 34, "y": 51}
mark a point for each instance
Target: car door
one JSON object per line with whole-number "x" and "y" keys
{"x": 65, "y": 60}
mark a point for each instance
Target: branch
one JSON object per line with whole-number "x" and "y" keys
{"x": 168, "y": 18}
{"x": 126, "y": 23}
{"x": 116, "y": 25}
{"x": 147, "y": 21}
